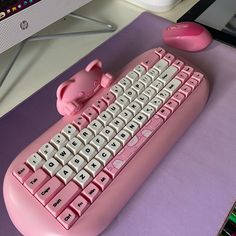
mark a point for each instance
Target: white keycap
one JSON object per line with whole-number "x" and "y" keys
{"x": 140, "y": 119}
{"x": 75, "y": 145}
{"x": 125, "y": 83}
{"x": 157, "y": 85}
{"x": 93, "y": 167}
{"x": 168, "y": 74}
{"x": 52, "y": 166}
{"x": 47, "y": 151}
{"x": 145, "y": 80}
{"x": 132, "y": 127}
{"x": 138, "y": 87}
{"x": 105, "y": 117}
{"x": 156, "y": 103}
{"x": 123, "y": 136}
{"x": 149, "y": 111}
{"x": 117, "y": 124}
{"x": 66, "y": 174}
{"x": 108, "y": 133}
{"x": 134, "y": 107}
{"x": 117, "y": 90}
{"x": 70, "y": 131}
{"x": 142, "y": 100}
{"x": 88, "y": 152}
{"x": 85, "y": 135}
{"x": 122, "y": 101}
{"x": 140, "y": 70}
{"x": 114, "y": 109}
{"x": 114, "y": 146}
{"x": 150, "y": 93}
{"x": 59, "y": 140}
{"x": 35, "y": 161}
{"x": 172, "y": 86}
{"x": 83, "y": 178}
{"x": 63, "y": 155}
{"x": 104, "y": 156}
{"x": 126, "y": 116}
{"x": 153, "y": 73}
{"x": 77, "y": 163}
{"x": 133, "y": 76}
{"x": 96, "y": 126}
{"x": 161, "y": 66}
{"x": 130, "y": 94}
{"x": 98, "y": 142}
{"x": 163, "y": 95}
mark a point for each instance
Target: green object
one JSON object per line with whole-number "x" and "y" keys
{"x": 232, "y": 217}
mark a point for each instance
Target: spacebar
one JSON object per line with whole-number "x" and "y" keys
{"x": 126, "y": 154}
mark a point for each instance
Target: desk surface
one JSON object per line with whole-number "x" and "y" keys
{"x": 33, "y": 70}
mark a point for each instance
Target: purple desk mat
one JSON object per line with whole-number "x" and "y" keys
{"x": 194, "y": 187}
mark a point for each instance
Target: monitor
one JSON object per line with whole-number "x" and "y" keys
{"x": 19, "y": 19}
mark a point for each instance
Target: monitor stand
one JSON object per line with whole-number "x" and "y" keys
{"x": 107, "y": 28}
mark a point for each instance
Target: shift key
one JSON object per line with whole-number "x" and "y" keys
{"x": 63, "y": 198}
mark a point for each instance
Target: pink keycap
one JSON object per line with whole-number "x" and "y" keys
{"x": 90, "y": 113}
{"x": 169, "y": 58}
{"x": 49, "y": 190}
{"x": 122, "y": 158}
{"x": 80, "y": 122}
{"x": 22, "y": 173}
{"x": 198, "y": 76}
{"x": 67, "y": 218}
{"x": 36, "y": 181}
{"x": 160, "y": 52}
{"x": 102, "y": 180}
{"x": 186, "y": 90}
{"x": 80, "y": 205}
{"x": 172, "y": 105}
{"x": 150, "y": 60}
{"x": 164, "y": 113}
{"x": 99, "y": 106}
{"x": 63, "y": 198}
{"x": 182, "y": 76}
{"x": 109, "y": 98}
{"x": 91, "y": 192}
{"x": 178, "y": 64}
{"x": 188, "y": 70}
{"x": 193, "y": 83}
{"x": 178, "y": 97}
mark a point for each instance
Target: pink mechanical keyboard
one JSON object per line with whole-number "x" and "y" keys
{"x": 76, "y": 177}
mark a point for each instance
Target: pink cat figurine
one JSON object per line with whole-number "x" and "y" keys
{"x": 80, "y": 87}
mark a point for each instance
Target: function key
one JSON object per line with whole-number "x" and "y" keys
{"x": 160, "y": 52}
{"x": 178, "y": 63}
{"x": 99, "y": 106}
{"x": 169, "y": 57}
{"x": 182, "y": 76}
{"x": 198, "y": 76}
{"x": 22, "y": 173}
{"x": 192, "y": 83}
{"x": 108, "y": 98}
{"x": 150, "y": 60}
{"x": 80, "y": 205}
{"x": 178, "y": 97}
{"x": 186, "y": 90}
{"x": 80, "y": 122}
{"x": 90, "y": 113}
{"x": 172, "y": 105}
{"x": 188, "y": 70}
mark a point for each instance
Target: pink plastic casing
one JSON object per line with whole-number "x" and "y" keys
{"x": 72, "y": 93}
{"x": 188, "y": 36}
{"x": 32, "y": 219}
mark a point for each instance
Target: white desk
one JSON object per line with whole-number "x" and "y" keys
{"x": 41, "y": 62}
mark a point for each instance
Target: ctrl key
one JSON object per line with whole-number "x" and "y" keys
{"x": 22, "y": 173}
{"x": 67, "y": 218}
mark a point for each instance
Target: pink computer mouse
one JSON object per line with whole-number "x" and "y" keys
{"x": 188, "y": 36}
